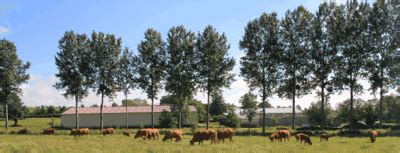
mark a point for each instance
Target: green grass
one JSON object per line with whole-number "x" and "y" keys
{"x": 119, "y": 143}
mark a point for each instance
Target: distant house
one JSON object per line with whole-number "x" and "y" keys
{"x": 115, "y": 116}
{"x": 275, "y": 117}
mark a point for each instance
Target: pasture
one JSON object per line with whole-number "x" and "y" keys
{"x": 33, "y": 141}
{"x": 119, "y": 143}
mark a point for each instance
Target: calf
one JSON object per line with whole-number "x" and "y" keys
{"x": 273, "y": 137}
{"x": 170, "y": 134}
{"x": 109, "y": 131}
{"x": 305, "y": 138}
{"x": 200, "y": 136}
{"x": 373, "y": 134}
{"x": 225, "y": 134}
{"x": 126, "y": 133}
{"x": 324, "y": 137}
{"x": 49, "y": 131}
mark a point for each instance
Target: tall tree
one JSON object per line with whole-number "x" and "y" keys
{"x": 214, "y": 66}
{"x": 296, "y": 31}
{"x": 106, "y": 49}
{"x": 126, "y": 76}
{"x": 260, "y": 65}
{"x": 181, "y": 62}
{"x": 249, "y": 106}
{"x": 15, "y": 108}
{"x": 382, "y": 70}
{"x": 324, "y": 51}
{"x": 75, "y": 73}
{"x": 354, "y": 48}
{"x": 12, "y": 73}
{"x": 151, "y": 64}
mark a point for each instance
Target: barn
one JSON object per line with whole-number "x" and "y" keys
{"x": 115, "y": 116}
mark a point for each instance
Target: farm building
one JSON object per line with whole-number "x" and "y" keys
{"x": 115, "y": 116}
{"x": 274, "y": 117}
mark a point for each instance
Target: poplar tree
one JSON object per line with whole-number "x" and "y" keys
{"x": 214, "y": 66}
{"x": 296, "y": 34}
{"x": 260, "y": 65}
{"x": 127, "y": 75}
{"x": 151, "y": 64}
{"x": 105, "y": 53}
{"x": 75, "y": 73}
{"x": 382, "y": 65}
{"x": 181, "y": 62}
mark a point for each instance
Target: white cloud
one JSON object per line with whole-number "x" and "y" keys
{"x": 3, "y": 30}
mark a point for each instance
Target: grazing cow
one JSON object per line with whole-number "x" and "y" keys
{"x": 273, "y": 137}
{"x": 126, "y": 133}
{"x": 324, "y": 137}
{"x": 81, "y": 131}
{"x": 147, "y": 133}
{"x": 108, "y": 131}
{"x": 49, "y": 131}
{"x": 225, "y": 134}
{"x": 283, "y": 134}
{"x": 170, "y": 134}
{"x": 200, "y": 136}
{"x": 298, "y": 137}
{"x": 305, "y": 138}
{"x": 373, "y": 134}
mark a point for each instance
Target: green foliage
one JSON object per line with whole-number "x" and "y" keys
{"x": 249, "y": 106}
{"x": 213, "y": 67}
{"x": 201, "y": 109}
{"x": 127, "y": 71}
{"x": 229, "y": 120}
{"x": 167, "y": 119}
{"x": 315, "y": 115}
{"x": 135, "y": 102}
{"x": 181, "y": 62}
{"x": 370, "y": 114}
{"x": 12, "y": 72}
{"x": 217, "y": 106}
{"x": 150, "y": 63}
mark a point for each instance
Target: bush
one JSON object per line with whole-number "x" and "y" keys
{"x": 230, "y": 120}
{"x": 167, "y": 119}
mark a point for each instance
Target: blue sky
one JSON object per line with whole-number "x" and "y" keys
{"x": 36, "y": 26}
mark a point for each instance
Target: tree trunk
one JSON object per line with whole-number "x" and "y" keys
{"x": 16, "y": 122}
{"x": 381, "y": 100}
{"x": 249, "y": 125}
{"x": 101, "y": 113}
{"x": 322, "y": 105}
{"x": 294, "y": 107}
{"x": 6, "y": 115}
{"x": 208, "y": 108}
{"x": 180, "y": 117}
{"x": 152, "y": 112}
{"x": 351, "y": 104}
{"x": 76, "y": 112}
{"x": 263, "y": 102}
{"x": 126, "y": 110}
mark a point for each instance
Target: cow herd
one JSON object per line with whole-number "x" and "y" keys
{"x": 215, "y": 136}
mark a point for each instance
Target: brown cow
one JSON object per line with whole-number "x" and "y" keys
{"x": 324, "y": 137}
{"x": 225, "y": 134}
{"x": 126, "y": 133}
{"x": 298, "y": 137}
{"x": 283, "y": 134}
{"x": 273, "y": 137}
{"x": 81, "y": 131}
{"x": 305, "y": 138}
{"x": 49, "y": 131}
{"x": 170, "y": 134}
{"x": 373, "y": 134}
{"x": 147, "y": 133}
{"x": 108, "y": 131}
{"x": 200, "y": 136}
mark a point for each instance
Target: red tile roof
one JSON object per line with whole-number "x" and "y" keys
{"x": 131, "y": 109}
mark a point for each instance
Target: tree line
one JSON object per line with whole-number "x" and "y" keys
{"x": 328, "y": 51}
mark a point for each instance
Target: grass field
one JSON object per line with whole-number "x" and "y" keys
{"x": 118, "y": 143}
{"x": 62, "y": 142}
